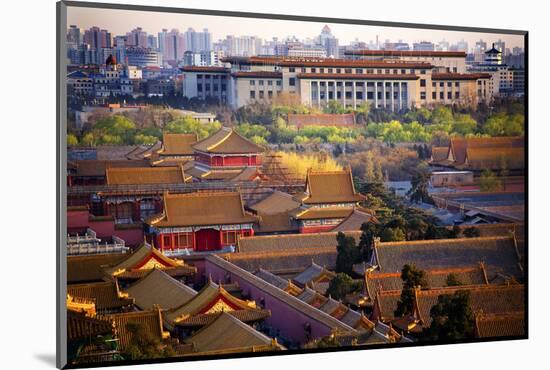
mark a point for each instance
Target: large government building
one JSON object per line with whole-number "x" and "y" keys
{"x": 392, "y": 82}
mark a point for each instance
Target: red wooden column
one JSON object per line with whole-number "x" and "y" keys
{"x": 136, "y": 211}
{"x": 194, "y": 240}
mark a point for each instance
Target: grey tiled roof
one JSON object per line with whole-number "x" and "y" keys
{"x": 289, "y": 261}
{"x": 276, "y": 243}
{"x": 310, "y": 274}
{"x": 271, "y": 278}
{"x": 497, "y": 253}
{"x": 470, "y": 275}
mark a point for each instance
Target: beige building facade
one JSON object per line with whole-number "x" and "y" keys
{"x": 394, "y": 85}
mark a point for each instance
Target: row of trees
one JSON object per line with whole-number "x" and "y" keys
{"x": 270, "y": 126}
{"x": 120, "y": 130}
{"x": 500, "y": 124}
{"x": 415, "y": 125}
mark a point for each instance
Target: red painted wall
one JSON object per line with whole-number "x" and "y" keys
{"x": 208, "y": 240}
{"x": 203, "y": 240}
{"x": 79, "y": 221}
{"x": 316, "y": 229}
{"x": 229, "y": 161}
{"x": 236, "y": 161}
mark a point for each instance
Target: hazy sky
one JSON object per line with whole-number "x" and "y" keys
{"x": 118, "y": 22}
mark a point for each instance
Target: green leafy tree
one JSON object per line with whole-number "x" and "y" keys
{"x": 330, "y": 341}
{"x": 151, "y": 131}
{"x": 417, "y": 132}
{"x": 89, "y": 139}
{"x": 416, "y": 228}
{"x": 452, "y": 318}
{"x": 452, "y": 233}
{"x": 108, "y": 139}
{"x": 144, "y": 345}
{"x": 188, "y": 125}
{"x": 72, "y": 140}
{"x": 471, "y": 232}
{"x": 373, "y": 202}
{"x": 489, "y": 181}
{"x": 300, "y": 140}
{"x": 390, "y": 234}
{"x": 442, "y": 115}
{"x": 115, "y": 130}
{"x": 453, "y": 280}
{"x": 464, "y": 124}
{"x": 394, "y": 133}
{"x": 341, "y": 285}
{"x": 145, "y": 139}
{"x": 413, "y": 278}
{"x": 502, "y": 124}
{"x": 347, "y": 253}
{"x": 249, "y": 131}
{"x": 280, "y": 122}
{"x": 362, "y": 113}
{"x": 431, "y": 232}
{"x": 515, "y": 125}
{"x": 366, "y": 241}
{"x": 419, "y": 186}
{"x": 334, "y": 107}
{"x": 378, "y": 174}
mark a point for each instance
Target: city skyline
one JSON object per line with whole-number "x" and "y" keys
{"x": 118, "y": 22}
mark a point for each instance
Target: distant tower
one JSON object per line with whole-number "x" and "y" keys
{"x": 493, "y": 56}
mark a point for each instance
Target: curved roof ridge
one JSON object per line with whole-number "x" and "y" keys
{"x": 433, "y": 291}
{"x": 442, "y": 241}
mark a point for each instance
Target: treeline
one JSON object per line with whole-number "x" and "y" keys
{"x": 121, "y": 130}
{"x": 267, "y": 124}
{"x": 422, "y": 125}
